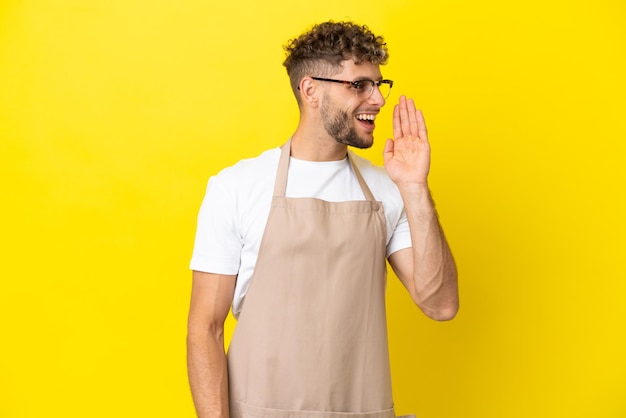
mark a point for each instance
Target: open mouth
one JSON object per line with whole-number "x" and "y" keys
{"x": 366, "y": 119}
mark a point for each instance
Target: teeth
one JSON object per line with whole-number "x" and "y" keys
{"x": 366, "y": 117}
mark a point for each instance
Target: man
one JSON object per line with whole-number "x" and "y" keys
{"x": 296, "y": 240}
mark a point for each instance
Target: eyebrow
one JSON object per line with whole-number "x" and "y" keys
{"x": 370, "y": 79}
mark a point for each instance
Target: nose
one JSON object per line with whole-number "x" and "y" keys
{"x": 376, "y": 97}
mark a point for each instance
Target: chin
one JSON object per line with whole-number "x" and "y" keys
{"x": 361, "y": 143}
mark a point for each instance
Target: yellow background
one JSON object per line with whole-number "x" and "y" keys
{"x": 113, "y": 114}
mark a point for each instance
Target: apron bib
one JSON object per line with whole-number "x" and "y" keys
{"x": 311, "y": 339}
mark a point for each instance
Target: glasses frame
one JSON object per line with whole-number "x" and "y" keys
{"x": 357, "y": 84}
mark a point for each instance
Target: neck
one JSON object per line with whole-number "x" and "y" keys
{"x": 316, "y": 145}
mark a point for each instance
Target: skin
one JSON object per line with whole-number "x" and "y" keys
{"x": 338, "y": 124}
{"x": 427, "y": 270}
{"x": 322, "y": 100}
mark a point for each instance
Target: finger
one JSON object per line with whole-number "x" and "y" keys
{"x": 412, "y": 113}
{"x": 388, "y": 151}
{"x": 405, "y": 123}
{"x": 397, "y": 129}
{"x": 422, "y": 132}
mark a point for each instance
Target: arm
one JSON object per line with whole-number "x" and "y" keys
{"x": 211, "y": 297}
{"x": 427, "y": 269}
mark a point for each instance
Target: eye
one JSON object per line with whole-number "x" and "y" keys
{"x": 359, "y": 85}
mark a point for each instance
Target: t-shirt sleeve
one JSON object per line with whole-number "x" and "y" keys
{"x": 401, "y": 237}
{"x": 217, "y": 247}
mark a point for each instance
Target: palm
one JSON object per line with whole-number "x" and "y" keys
{"x": 407, "y": 156}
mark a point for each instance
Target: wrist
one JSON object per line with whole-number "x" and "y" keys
{"x": 417, "y": 200}
{"x": 414, "y": 188}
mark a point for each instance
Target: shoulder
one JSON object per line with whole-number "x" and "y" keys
{"x": 243, "y": 183}
{"x": 267, "y": 160}
{"x": 366, "y": 166}
{"x": 248, "y": 173}
{"x": 376, "y": 178}
{"x": 381, "y": 185}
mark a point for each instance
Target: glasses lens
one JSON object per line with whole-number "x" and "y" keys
{"x": 385, "y": 89}
{"x": 366, "y": 89}
{"x": 363, "y": 88}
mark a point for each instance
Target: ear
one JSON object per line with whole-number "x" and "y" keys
{"x": 310, "y": 92}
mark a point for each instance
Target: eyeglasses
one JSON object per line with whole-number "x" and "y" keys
{"x": 364, "y": 88}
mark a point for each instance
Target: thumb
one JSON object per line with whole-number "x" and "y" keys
{"x": 388, "y": 151}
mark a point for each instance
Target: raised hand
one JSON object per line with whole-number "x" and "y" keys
{"x": 407, "y": 155}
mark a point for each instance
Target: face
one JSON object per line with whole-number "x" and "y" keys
{"x": 346, "y": 117}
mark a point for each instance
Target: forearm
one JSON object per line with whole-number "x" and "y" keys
{"x": 434, "y": 271}
{"x": 208, "y": 374}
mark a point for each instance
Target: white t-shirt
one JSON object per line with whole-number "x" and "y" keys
{"x": 236, "y": 206}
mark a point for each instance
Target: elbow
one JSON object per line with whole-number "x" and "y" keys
{"x": 442, "y": 314}
{"x": 441, "y": 300}
{"x": 440, "y": 307}
{"x": 200, "y": 333}
{"x": 196, "y": 339}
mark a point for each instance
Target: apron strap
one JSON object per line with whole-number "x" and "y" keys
{"x": 366, "y": 190}
{"x": 280, "y": 185}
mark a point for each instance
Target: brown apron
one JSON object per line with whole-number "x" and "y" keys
{"x": 311, "y": 340}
